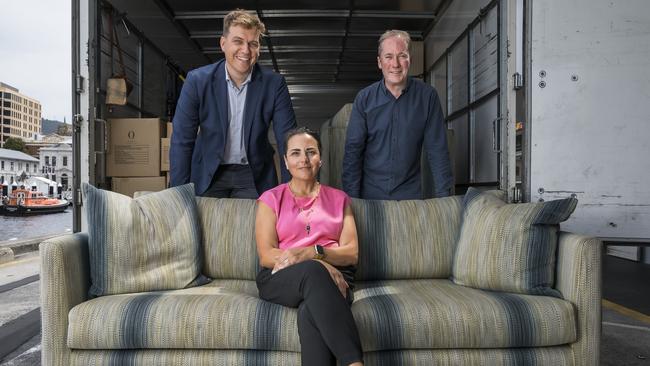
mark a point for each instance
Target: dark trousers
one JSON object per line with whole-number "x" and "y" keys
{"x": 232, "y": 181}
{"x": 325, "y": 324}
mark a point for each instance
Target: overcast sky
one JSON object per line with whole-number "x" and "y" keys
{"x": 35, "y": 52}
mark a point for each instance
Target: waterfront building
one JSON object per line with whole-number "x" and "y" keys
{"x": 20, "y": 115}
{"x": 16, "y": 166}
{"x": 56, "y": 163}
{"x": 33, "y": 147}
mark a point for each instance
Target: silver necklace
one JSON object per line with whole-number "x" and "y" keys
{"x": 309, "y": 211}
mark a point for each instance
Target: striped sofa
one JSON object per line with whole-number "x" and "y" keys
{"x": 407, "y": 310}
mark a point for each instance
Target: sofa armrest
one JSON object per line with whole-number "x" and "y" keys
{"x": 579, "y": 280}
{"x": 65, "y": 279}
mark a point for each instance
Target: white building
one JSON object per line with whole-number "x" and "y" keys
{"x": 56, "y": 163}
{"x": 16, "y": 166}
{"x": 44, "y": 185}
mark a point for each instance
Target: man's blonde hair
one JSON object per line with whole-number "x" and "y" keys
{"x": 394, "y": 33}
{"x": 244, "y": 19}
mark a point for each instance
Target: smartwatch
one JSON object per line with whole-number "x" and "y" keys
{"x": 320, "y": 252}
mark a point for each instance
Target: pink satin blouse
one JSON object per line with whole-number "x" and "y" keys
{"x": 304, "y": 221}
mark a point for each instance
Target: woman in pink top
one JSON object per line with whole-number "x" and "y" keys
{"x": 307, "y": 244}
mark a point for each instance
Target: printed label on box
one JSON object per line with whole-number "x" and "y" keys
{"x": 131, "y": 154}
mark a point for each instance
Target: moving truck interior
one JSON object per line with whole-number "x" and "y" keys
{"x": 521, "y": 84}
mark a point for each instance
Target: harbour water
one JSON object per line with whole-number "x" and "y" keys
{"x": 25, "y": 227}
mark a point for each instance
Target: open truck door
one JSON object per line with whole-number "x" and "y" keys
{"x": 473, "y": 74}
{"x": 589, "y": 89}
{"x": 80, "y": 106}
{"x": 104, "y": 44}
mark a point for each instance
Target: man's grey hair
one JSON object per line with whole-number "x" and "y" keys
{"x": 394, "y": 33}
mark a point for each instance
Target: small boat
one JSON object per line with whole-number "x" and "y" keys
{"x": 23, "y": 202}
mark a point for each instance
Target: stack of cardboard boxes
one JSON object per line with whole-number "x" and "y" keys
{"x": 164, "y": 153}
{"x": 138, "y": 154}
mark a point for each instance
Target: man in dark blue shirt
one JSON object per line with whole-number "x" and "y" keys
{"x": 390, "y": 122}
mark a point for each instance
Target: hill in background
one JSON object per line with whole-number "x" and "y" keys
{"x": 49, "y": 126}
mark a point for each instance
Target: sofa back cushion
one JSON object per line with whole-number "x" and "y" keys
{"x": 228, "y": 227}
{"x": 144, "y": 244}
{"x": 509, "y": 247}
{"x": 397, "y": 239}
{"x": 406, "y": 239}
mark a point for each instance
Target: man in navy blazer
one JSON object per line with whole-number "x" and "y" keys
{"x": 220, "y": 139}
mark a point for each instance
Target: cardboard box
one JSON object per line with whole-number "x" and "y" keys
{"x": 133, "y": 147}
{"x": 164, "y": 154}
{"x": 129, "y": 185}
{"x": 170, "y": 129}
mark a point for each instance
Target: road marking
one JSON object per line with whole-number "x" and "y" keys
{"x": 20, "y": 261}
{"x": 19, "y": 360}
{"x": 627, "y": 326}
{"x": 18, "y": 331}
{"x": 19, "y": 283}
{"x": 626, "y": 311}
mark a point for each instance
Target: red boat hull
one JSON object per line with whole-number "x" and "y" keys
{"x": 21, "y": 210}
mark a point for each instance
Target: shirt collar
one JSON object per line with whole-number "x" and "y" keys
{"x": 409, "y": 81}
{"x": 229, "y": 80}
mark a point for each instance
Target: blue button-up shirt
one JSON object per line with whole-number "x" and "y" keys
{"x": 384, "y": 143}
{"x": 235, "y": 152}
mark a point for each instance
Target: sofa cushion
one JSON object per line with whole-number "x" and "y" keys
{"x": 509, "y": 247}
{"x": 224, "y": 314}
{"x": 228, "y": 227}
{"x": 406, "y": 239}
{"x": 143, "y": 244}
{"x": 397, "y": 314}
{"x": 425, "y": 314}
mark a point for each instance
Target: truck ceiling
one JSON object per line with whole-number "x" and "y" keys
{"x": 326, "y": 50}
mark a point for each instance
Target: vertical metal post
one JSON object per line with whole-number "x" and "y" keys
{"x": 528, "y": 77}
{"x": 507, "y": 95}
{"x": 76, "y": 109}
{"x": 84, "y": 52}
{"x": 140, "y": 76}
{"x": 471, "y": 123}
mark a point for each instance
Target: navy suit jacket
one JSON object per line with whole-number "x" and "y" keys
{"x": 195, "y": 154}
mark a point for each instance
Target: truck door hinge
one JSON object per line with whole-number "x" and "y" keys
{"x": 78, "y": 198}
{"x": 516, "y": 194}
{"x": 79, "y": 84}
{"x": 517, "y": 81}
{"x": 76, "y": 122}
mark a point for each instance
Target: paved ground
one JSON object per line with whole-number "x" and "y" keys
{"x": 23, "y": 266}
{"x": 625, "y": 282}
{"x": 29, "y": 354}
{"x": 625, "y": 340}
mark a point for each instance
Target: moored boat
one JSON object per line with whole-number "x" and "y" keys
{"x": 25, "y": 202}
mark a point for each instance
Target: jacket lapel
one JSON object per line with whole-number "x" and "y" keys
{"x": 253, "y": 93}
{"x": 221, "y": 95}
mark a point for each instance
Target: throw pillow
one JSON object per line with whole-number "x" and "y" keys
{"x": 144, "y": 244}
{"x": 509, "y": 247}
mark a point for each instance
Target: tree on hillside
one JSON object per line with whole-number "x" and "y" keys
{"x": 64, "y": 129}
{"x": 15, "y": 143}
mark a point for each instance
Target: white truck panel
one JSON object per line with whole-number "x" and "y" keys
{"x": 590, "y": 119}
